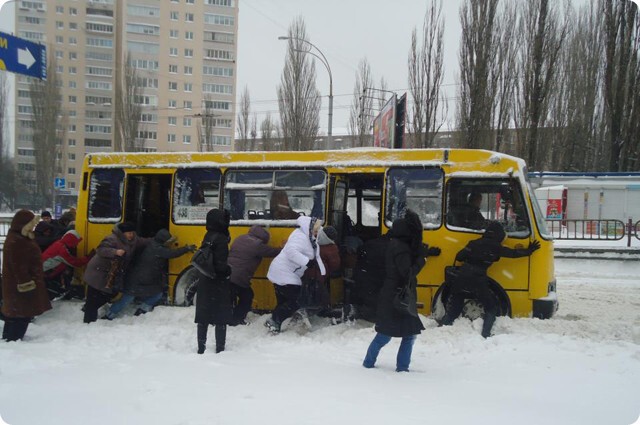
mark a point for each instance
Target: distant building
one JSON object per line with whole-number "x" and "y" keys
{"x": 184, "y": 52}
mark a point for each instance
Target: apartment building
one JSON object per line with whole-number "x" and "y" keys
{"x": 183, "y": 53}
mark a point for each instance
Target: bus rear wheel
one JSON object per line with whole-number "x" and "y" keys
{"x": 472, "y": 309}
{"x": 184, "y": 291}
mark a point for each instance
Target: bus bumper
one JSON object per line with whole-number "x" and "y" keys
{"x": 545, "y": 308}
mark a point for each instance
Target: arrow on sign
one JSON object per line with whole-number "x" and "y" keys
{"x": 25, "y": 58}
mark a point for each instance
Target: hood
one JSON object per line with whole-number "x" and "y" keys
{"x": 218, "y": 221}
{"x": 71, "y": 239}
{"x": 494, "y": 231}
{"x": 162, "y": 236}
{"x": 401, "y": 230}
{"x": 260, "y": 233}
{"x": 23, "y": 222}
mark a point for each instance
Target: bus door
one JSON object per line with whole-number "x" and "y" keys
{"x": 147, "y": 202}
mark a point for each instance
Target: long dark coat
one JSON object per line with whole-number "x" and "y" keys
{"x": 402, "y": 264}
{"x": 98, "y": 268}
{"x": 213, "y": 300}
{"x": 246, "y": 254}
{"x": 147, "y": 275}
{"x": 21, "y": 263}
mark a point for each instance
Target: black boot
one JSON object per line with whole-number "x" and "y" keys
{"x": 202, "y": 337}
{"x": 221, "y": 337}
{"x": 489, "y": 319}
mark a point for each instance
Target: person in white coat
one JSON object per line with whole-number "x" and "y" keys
{"x": 299, "y": 253}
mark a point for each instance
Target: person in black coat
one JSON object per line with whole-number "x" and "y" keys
{"x": 478, "y": 256}
{"x": 405, "y": 257}
{"x": 213, "y": 301}
{"x": 147, "y": 276}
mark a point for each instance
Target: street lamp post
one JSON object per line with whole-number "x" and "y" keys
{"x": 321, "y": 57}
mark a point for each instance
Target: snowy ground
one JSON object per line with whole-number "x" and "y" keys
{"x": 581, "y": 367}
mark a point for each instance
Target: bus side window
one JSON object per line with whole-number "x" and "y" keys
{"x": 105, "y": 194}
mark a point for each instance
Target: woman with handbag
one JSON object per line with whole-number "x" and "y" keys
{"x": 405, "y": 257}
{"x": 213, "y": 302}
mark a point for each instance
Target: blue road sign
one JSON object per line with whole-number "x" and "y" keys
{"x": 59, "y": 183}
{"x": 22, "y": 56}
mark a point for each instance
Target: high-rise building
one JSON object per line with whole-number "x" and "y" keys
{"x": 183, "y": 55}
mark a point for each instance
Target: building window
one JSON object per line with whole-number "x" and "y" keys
{"x": 59, "y": 39}
{"x": 188, "y": 70}
{"x": 73, "y": 40}
{"x": 71, "y": 156}
{"x": 73, "y": 26}
{"x": 73, "y": 11}
{"x": 186, "y": 122}
{"x": 173, "y": 120}
{"x": 188, "y": 53}
{"x": 72, "y": 70}
{"x": 186, "y": 139}
{"x": 171, "y": 138}
{"x": 72, "y": 142}
{"x": 73, "y": 99}
{"x": 173, "y": 69}
{"x": 174, "y": 16}
{"x": 187, "y": 104}
{"x": 188, "y": 17}
{"x": 173, "y": 86}
{"x": 71, "y": 170}
{"x": 188, "y": 35}
{"x": 59, "y": 25}
{"x": 173, "y": 104}
{"x": 173, "y": 51}
{"x": 59, "y": 9}
{"x": 188, "y": 87}
{"x": 173, "y": 33}
{"x": 73, "y": 56}
{"x": 72, "y": 84}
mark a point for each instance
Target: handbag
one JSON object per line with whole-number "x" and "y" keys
{"x": 404, "y": 301}
{"x": 202, "y": 260}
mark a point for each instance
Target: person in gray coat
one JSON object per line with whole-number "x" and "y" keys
{"x": 147, "y": 276}
{"x": 245, "y": 255}
{"x": 104, "y": 272}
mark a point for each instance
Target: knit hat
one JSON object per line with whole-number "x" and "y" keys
{"x": 494, "y": 231}
{"x": 127, "y": 227}
{"x": 331, "y": 232}
{"x": 45, "y": 213}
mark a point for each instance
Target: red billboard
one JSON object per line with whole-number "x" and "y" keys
{"x": 384, "y": 125}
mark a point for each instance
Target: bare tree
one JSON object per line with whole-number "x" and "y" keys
{"x": 425, "y": 77}
{"x": 268, "y": 131}
{"x": 504, "y": 73}
{"x": 477, "y": 54}
{"x": 621, "y": 79}
{"x": 253, "y": 133}
{"x": 207, "y": 124}
{"x": 543, "y": 34}
{"x": 47, "y": 125}
{"x": 244, "y": 110}
{"x": 4, "y": 96}
{"x": 361, "y": 111}
{"x": 298, "y": 97}
{"x": 128, "y": 109}
{"x": 8, "y": 188}
{"x": 383, "y": 93}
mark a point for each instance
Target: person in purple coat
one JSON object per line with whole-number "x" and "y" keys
{"x": 245, "y": 255}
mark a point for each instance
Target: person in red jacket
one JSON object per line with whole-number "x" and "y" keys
{"x": 58, "y": 262}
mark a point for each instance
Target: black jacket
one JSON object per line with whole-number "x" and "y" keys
{"x": 213, "y": 300}
{"x": 403, "y": 261}
{"x": 147, "y": 275}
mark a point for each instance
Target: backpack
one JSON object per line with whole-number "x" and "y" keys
{"x": 202, "y": 260}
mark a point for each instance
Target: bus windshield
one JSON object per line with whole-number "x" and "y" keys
{"x": 417, "y": 189}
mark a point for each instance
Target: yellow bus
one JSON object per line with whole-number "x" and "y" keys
{"x": 358, "y": 191}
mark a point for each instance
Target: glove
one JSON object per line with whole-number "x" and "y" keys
{"x": 311, "y": 263}
{"x": 191, "y": 248}
{"x": 433, "y": 251}
{"x": 533, "y": 246}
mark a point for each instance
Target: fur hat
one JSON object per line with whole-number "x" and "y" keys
{"x": 127, "y": 226}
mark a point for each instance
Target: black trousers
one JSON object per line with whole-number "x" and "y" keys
{"x": 461, "y": 287}
{"x": 95, "y": 300}
{"x": 15, "y": 328}
{"x": 287, "y": 302}
{"x": 241, "y": 298}
{"x": 220, "y": 333}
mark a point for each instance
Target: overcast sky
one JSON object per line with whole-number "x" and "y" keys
{"x": 346, "y": 31}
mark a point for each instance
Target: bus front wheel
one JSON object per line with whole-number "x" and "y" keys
{"x": 472, "y": 309}
{"x": 184, "y": 291}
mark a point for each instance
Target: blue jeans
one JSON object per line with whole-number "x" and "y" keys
{"x": 404, "y": 352}
{"x": 126, "y": 299}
